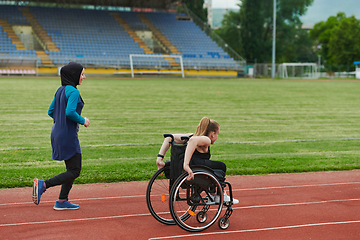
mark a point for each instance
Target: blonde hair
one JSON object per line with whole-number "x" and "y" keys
{"x": 206, "y": 126}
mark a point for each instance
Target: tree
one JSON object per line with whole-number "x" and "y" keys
{"x": 197, "y": 7}
{"x": 322, "y": 33}
{"x": 339, "y": 39}
{"x": 304, "y": 47}
{"x": 253, "y": 30}
{"x": 292, "y": 42}
{"x": 230, "y": 32}
{"x": 256, "y": 25}
{"x": 344, "y": 45}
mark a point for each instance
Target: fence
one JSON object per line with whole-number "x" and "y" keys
{"x": 12, "y": 65}
{"x": 263, "y": 70}
{"x": 33, "y": 63}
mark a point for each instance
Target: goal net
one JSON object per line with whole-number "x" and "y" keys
{"x": 298, "y": 70}
{"x": 156, "y": 64}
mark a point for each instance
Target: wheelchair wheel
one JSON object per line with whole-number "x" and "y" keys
{"x": 195, "y": 200}
{"x": 157, "y": 197}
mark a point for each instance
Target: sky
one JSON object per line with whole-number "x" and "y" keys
{"x": 320, "y": 10}
{"x": 225, "y": 3}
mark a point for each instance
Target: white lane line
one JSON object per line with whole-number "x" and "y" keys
{"x": 79, "y": 199}
{"x": 296, "y": 140}
{"x": 296, "y": 186}
{"x": 257, "y": 230}
{"x": 148, "y": 214}
{"x": 74, "y": 220}
{"x": 296, "y": 204}
{"x": 84, "y": 146}
{"x": 234, "y": 190}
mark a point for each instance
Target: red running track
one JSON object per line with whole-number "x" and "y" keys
{"x": 322, "y": 205}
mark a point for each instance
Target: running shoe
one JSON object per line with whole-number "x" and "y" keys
{"x": 65, "y": 206}
{"x": 38, "y": 190}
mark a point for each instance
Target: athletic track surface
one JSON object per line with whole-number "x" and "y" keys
{"x": 322, "y": 205}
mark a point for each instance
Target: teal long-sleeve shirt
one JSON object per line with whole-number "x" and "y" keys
{"x": 73, "y": 96}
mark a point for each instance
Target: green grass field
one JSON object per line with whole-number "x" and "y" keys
{"x": 266, "y": 126}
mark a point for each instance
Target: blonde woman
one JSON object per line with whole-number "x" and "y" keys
{"x": 198, "y": 149}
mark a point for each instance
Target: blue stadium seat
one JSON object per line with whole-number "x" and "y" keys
{"x": 189, "y": 39}
{"x": 81, "y": 33}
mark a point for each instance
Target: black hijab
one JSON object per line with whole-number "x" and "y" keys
{"x": 70, "y": 74}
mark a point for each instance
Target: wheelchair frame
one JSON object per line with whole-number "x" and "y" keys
{"x": 172, "y": 199}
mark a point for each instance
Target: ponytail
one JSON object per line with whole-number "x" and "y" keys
{"x": 206, "y": 126}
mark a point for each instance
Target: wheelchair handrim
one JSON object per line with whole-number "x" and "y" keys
{"x": 179, "y": 219}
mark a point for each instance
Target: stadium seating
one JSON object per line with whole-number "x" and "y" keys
{"x": 86, "y": 34}
{"x": 5, "y": 43}
{"x": 134, "y": 21}
{"x": 13, "y": 16}
{"x": 195, "y": 46}
{"x": 96, "y": 36}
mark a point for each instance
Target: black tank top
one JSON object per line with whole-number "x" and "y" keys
{"x": 201, "y": 156}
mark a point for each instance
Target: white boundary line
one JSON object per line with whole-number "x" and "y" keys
{"x": 84, "y": 146}
{"x": 146, "y": 144}
{"x": 258, "y": 230}
{"x": 298, "y": 140}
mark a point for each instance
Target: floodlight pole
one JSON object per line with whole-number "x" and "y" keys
{"x": 273, "y": 43}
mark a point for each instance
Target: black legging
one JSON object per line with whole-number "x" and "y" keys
{"x": 209, "y": 163}
{"x": 66, "y": 179}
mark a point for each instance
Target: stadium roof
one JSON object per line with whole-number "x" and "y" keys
{"x": 159, "y": 4}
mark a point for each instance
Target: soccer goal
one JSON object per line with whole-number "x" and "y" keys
{"x": 156, "y": 64}
{"x": 298, "y": 70}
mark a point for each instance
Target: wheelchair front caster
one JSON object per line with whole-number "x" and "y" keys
{"x": 201, "y": 216}
{"x": 224, "y": 223}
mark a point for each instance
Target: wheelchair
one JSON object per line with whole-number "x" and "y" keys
{"x": 192, "y": 205}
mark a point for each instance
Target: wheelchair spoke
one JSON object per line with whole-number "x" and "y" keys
{"x": 157, "y": 198}
{"x": 194, "y": 209}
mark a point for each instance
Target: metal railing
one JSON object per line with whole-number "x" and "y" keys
{"x": 119, "y": 63}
